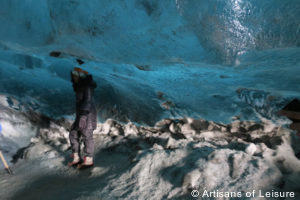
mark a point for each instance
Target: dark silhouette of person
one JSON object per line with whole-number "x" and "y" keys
{"x": 86, "y": 118}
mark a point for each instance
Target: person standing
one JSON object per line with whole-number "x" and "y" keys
{"x": 86, "y": 118}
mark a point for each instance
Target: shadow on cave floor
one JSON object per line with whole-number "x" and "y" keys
{"x": 175, "y": 173}
{"x": 80, "y": 184}
{"x": 115, "y": 160}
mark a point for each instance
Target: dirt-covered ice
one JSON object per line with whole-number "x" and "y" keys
{"x": 166, "y": 161}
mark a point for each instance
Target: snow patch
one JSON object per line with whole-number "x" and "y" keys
{"x": 166, "y": 161}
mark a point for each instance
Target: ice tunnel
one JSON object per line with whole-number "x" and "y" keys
{"x": 218, "y": 60}
{"x": 196, "y": 53}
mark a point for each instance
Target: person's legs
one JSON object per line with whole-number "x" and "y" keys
{"x": 75, "y": 145}
{"x": 74, "y": 137}
{"x": 87, "y": 136}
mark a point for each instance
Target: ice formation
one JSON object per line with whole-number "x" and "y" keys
{"x": 166, "y": 161}
{"x": 188, "y": 97}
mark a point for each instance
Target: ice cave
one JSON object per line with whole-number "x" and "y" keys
{"x": 195, "y": 99}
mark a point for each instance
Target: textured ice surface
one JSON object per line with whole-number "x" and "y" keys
{"x": 151, "y": 31}
{"x": 166, "y": 161}
{"x": 168, "y": 59}
{"x": 231, "y": 27}
{"x": 260, "y": 85}
{"x": 227, "y": 61}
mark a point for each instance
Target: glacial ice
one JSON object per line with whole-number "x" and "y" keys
{"x": 166, "y": 161}
{"x": 188, "y": 96}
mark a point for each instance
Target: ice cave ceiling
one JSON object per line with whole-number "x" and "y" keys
{"x": 152, "y": 59}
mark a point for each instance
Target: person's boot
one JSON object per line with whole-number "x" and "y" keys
{"x": 87, "y": 162}
{"x": 75, "y": 161}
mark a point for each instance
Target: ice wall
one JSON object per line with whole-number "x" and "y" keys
{"x": 153, "y": 59}
{"x": 144, "y": 31}
{"x": 113, "y": 31}
{"x": 231, "y": 27}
